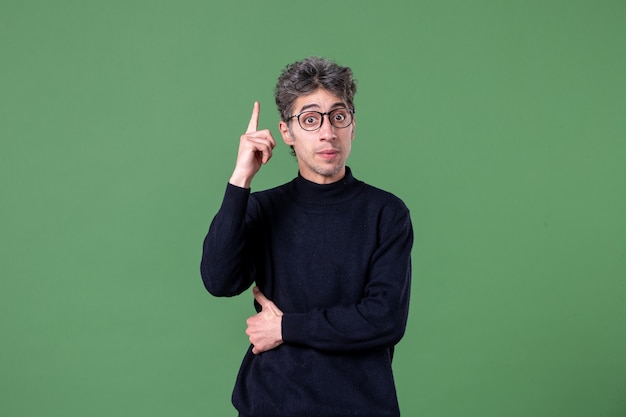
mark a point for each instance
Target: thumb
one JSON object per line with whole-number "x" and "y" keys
{"x": 260, "y": 297}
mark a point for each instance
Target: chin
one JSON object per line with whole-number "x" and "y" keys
{"x": 329, "y": 171}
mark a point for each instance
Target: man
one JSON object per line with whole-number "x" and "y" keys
{"x": 330, "y": 256}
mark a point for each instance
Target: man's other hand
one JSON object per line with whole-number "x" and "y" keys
{"x": 265, "y": 328}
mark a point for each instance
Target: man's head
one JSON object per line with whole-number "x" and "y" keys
{"x": 315, "y": 98}
{"x": 304, "y": 77}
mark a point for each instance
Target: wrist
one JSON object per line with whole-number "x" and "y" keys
{"x": 241, "y": 181}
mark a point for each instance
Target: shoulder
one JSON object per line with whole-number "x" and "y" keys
{"x": 270, "y": 198}
{"x": 389, "y": 213}
{"x": 385, "y": 209}
{"x": 383, "y": 197}
{"x": 270, "y": 193}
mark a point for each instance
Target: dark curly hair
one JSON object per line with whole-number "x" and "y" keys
{"x": 304, "y": 77}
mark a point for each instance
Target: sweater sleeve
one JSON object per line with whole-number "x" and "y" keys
{"x": 379, "y": 318}
{"x": 225, "y": 268}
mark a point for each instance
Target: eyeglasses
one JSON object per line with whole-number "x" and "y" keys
{"x": 312, "y": 120}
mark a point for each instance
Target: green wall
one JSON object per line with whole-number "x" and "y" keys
{"x": 501, "y": 124}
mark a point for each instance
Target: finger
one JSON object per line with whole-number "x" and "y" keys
{"x": 266, "y": 155}
{"x": 254, "y": 119}
{"x": 259, "y": 296}
{"x": 261, "y": 136}
{"x": 263, "y": 144}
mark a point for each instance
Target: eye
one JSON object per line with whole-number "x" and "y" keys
{"x": 310, "y": 119}
{"x": 339, "y": 116}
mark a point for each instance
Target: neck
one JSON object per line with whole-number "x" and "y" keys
{"x": 323, "y": 177}
{"x": 315, "y": 194}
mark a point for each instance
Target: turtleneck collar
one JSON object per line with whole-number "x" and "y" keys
{"x": 312, "y": 193}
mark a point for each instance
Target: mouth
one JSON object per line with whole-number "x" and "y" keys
{"x": 328, "y": 153}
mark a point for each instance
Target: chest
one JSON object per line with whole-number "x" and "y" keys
{"x": 318, "y": 258}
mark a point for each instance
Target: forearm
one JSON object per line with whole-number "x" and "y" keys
{"x": 378, "y": 320}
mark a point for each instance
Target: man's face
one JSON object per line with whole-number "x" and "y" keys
{"x": 321, "y": 153}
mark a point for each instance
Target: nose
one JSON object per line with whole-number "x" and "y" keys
{"x": 327, "y": 130}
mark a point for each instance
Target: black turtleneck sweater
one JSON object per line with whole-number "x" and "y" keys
{"x": 336, "y": 260}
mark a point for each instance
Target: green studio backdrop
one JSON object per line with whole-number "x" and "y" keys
{"x": 501, "y": 124}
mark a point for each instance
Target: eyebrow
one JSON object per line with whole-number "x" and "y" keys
{"x": 314, "y": 105}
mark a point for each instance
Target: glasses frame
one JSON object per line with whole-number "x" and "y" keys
{"x": 297, "y": 116}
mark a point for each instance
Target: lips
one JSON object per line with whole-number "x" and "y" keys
{"x": 328, "y": 152}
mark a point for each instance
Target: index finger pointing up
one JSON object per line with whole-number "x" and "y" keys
{"x": 254, "y": 120}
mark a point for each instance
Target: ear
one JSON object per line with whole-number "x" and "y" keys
{"x": 353, "y": 128}
{"x": 284, "y": 131}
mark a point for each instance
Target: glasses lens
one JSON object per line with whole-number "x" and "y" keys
{"x": 340, "y": 117}
{"x": 310, "y": 120}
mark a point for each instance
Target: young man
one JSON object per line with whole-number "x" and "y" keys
{"x": 330, "y": 256}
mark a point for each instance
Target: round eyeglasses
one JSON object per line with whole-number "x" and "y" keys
{"x": 312, "y": 120}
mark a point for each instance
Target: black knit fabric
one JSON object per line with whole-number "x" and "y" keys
{"x": 336, "y": 260}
